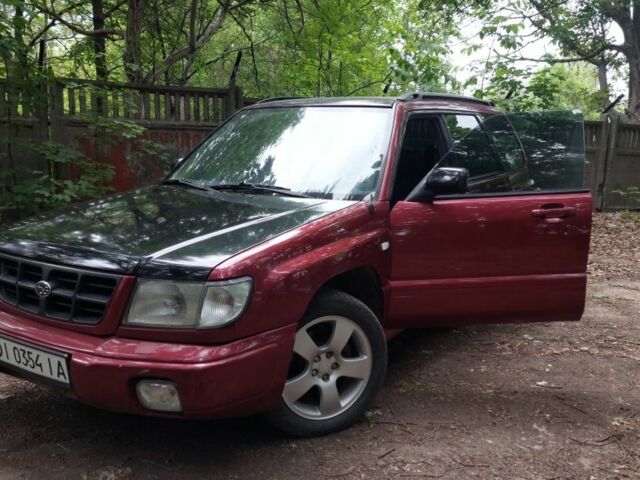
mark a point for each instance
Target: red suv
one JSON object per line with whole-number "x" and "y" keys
{"x": 268, "y": 269}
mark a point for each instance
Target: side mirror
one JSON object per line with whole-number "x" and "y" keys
{"x": 441, "y": 181}
{"x": 175, "y": 163}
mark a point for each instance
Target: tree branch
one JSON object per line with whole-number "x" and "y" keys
{"x": 214, "y": 25}
{"x": 200, "y": 41}
{"x": 370, "y": 84}
{"x": 582, "y": 58}
{"x": 75, "y": 28}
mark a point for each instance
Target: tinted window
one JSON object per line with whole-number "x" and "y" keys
{"x": 460, "y": 125}
{"x": 422, "y": 147}
{"x": 554, "y": 144}
{"x": 476, "y": 153}
{"x": 540, "y": 151}
{"x": 509, "y": 149}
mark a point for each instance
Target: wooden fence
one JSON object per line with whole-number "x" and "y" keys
{"x": 187, "y": 105}
{"x": 613, "y": 161}
{"x": 178, "y": 118}
{"x": 81, "y": 114}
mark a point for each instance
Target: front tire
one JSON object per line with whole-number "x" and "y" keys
{"x": 338, "y": 366}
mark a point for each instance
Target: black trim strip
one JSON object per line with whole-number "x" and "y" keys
{"x": 509, "y": 194}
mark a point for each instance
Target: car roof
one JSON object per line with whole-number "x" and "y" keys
{"x": 413, "y": 100}
{"x": 326, "y": 101}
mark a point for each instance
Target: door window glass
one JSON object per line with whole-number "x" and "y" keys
{"x": 460, "y": 125}
{"x": 555, "y": 147}
{"x": 506, "y": 142}
{"x": 537, "y": 152}
{"x": 474, "y": 151}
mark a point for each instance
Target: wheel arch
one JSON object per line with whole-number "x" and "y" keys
{"x": 362, "y": 283}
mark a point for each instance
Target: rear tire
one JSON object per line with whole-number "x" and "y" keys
{"x": 338, "y": 366}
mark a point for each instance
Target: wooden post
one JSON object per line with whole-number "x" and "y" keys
{"x": 56, "y": 111}
{"x": 232, "y": 97}
{"x": 56, "y": 117}
{"x": 230, "y": 102}
{"x": 599, "y": 159}
{"x": 609, "y": 153}
{"x": 239, "y": 98}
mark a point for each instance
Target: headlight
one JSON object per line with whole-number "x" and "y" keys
{"x": 167, "y": 303}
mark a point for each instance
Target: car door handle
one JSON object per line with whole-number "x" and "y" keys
{"x": 554, "y": 212}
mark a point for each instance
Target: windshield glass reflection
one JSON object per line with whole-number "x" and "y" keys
{"x": 323, "y": 152}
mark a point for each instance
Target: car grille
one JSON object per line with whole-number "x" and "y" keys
{"x": 77, "y": 296}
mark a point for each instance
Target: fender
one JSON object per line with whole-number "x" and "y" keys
{"x": 298, "y": 280}
{"x": 289, "y": 270}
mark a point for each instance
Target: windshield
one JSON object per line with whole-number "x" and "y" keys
{"x": 324, "y": 152}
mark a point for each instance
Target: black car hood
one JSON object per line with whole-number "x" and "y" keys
{"x": 169, "y": 231}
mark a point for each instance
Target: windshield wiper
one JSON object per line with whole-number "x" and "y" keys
{"x": 185, "y": 183}
{"x": 258, "y": 188}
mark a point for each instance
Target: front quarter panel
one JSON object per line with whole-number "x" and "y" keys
{"x": 289, "y": 271}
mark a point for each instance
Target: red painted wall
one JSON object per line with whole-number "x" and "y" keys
{"x": 132, "y": 166}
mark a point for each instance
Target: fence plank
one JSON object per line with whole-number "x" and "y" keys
{"x": 156, "y": 107}
{"x": 168, "y": 108}
{"x": 623, "y": 164}
{"x": 196, "y": 107}
{"x": 144, "y": 113}
{"x": 177, "y": 107}
{"x": 3, "y": 100}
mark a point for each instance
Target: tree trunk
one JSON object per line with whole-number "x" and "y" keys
{"x": 634, "y": 60}
{"x": 132, "y": 49}
{"x": 603, "y": 81}
{"x": 634, "y": 83}
{"x": 99, "y": 41}
{"x": 21, "y": 59}
{"x": 631, "y": 30}
{"x": 212, "y": 27}
{"x": 42, "y": 48}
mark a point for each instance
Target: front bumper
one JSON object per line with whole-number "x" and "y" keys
{"x": 238, "y": 378}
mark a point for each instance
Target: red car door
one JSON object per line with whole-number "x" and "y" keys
{"x": 507, "y": 251}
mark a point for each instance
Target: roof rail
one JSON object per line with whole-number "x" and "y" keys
{"x": 427, "y": 96}
{"x": 275, "y": 99}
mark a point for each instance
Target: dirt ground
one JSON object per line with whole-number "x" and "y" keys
{"x": 535, "y": 401}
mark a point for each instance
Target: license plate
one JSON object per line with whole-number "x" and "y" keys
{"x": 35, "y": 361}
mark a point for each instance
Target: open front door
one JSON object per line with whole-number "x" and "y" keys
{"x": 513, "y": 247}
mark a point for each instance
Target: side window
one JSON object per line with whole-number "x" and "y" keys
{"x": 536, "y": 152}
{"x": 460, "y": 125}
{"x": 506, "y": 142}
{"x": 554, "y": 142}
{"x": 473, "y": 148}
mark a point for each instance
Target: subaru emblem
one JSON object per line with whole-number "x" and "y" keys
{"x": 43, "y": 289}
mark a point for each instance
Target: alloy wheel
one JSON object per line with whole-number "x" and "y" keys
{"x": 331, "y": 367}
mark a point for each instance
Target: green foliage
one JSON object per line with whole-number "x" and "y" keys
{"x": 581, "y": 32}
{"x": 32, "y": 191}
{"x": 556, "y": 87}
{"x": 69, "y": 175}
{"x": 632, "y": 194}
